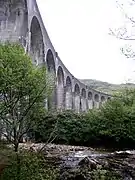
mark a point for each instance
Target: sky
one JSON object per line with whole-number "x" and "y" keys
{"x": 79, "y": 32}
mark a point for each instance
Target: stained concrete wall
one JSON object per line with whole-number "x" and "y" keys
{"x": 21, "y": 22}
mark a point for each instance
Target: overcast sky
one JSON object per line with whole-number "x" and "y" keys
{"x": 78, "y": 29}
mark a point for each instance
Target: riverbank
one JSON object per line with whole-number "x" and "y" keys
{"x": 78, "y": 162}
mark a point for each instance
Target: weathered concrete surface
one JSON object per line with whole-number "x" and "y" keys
{"x": 20, "y": 21}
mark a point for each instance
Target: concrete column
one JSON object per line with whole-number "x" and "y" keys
{"x": 90, "y": 104}
{"x": 77, "y": 103}
{"x": 83, "y": 103}
{"x": 60, "y": 97}
{"x": 68, "y": 100}
{"x": 96, "y": 105}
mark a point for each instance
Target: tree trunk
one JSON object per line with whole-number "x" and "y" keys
{"x": 16, "y": 147}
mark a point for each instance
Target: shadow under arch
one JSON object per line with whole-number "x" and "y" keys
{"x": 68, "y": 94}
{"x": 83, "y": 100}
{"x": 37, "y": 43}
{"x": 60, "y": 88}
{"x": 77, "y": 103}
{"x": 96, "y": 101}
{"x": 51, "y": 69}
{"x": 90, "y": 100}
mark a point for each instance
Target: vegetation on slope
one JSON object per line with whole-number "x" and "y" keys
{"x": 105, "y": 86}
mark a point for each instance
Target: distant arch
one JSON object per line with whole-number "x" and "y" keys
{"x": 96, "y": 97}
{"x": 77, "y": 89}
{"x": 68, "y": 94}
{"x": 37, "y": 44}
{"x": 109, "y": 98}
{"x": 83, "y": 107}
{"x": 50, "y": 61}
{"x": 60, "y": 88}
{"x": 52, "y": 100}
{"x": 90, "y": 100}
{"x": 60, "y": 76}
{"x": 83, "y": 93}
{"x": 77, "y": 103}
{"x": 68, "y": 83}
{"x": 89, "y": 95}
{"x": 102, "y": 98}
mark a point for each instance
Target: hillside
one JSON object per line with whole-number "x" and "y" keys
{"x": 106, "y": 87}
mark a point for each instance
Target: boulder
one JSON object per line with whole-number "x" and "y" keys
{"x": 87, "y": 162}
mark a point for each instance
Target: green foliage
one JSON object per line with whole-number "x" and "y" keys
{"x": 23, "y": 89}
{"x": 107, "y": 87}
{"x": 30, "y": 166}
{"x": 101, "y": 174}
{"x": 112, "y": 126}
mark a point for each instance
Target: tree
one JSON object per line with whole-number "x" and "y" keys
{"x": 23, "y": 90}
{"x": 127, "y": 31}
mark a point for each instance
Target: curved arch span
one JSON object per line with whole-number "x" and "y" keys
{"x": 60, "y": 88}
{"x": 96, "y": 99}
{"x": 37, "y": 44}
{"x": 77, "y": 103}
{"x": 68, "y": 94}
{"x": 77, "y": 89}
{"x": 50, "y": 63}
{"x": 90, "y": 100}
{"x": 102, "y": 99}
{"x": 83, "y": 103}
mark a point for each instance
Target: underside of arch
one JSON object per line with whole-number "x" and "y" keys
{"x": 96, "y": 97}
{"x": 68, "y": 84}
{"x": 83, "y": 93}
{"x": 60, "y": 76}
{"x": 68, "y": 94}
{"x": 50, "y": 61}
{"x": 60, "y": 88}
{"x": 77, "y": 89}
{"x": 77, "y": 103}
{"x": 90, "y": 100}
{"x": 102, "y": 98}
{"x": 37, "y": 43}
{"x": 89, "y": 95}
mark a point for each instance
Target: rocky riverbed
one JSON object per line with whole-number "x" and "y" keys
{"x": 84, "y": 163}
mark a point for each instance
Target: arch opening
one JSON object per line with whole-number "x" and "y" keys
{"x": 14, "y": 21}
{"x": 68, "y": 94}
{"x": 102, "y": 98}
{"x": 96, "y": 103}
{"x": 50, "y": 61}
{"x": 52, "y": 76}
{"x": 83, "y": 93}
{"x": 37, "y": 44}
{"x": 96, "y": 97}
{"x": 89, "y": 95}
{"x": 68, "y": 84}
{"x": 77, "y": 89}
{"x": 77, "y": 98}
{"x": 83, "y": 106}
{"x": 90, "y": 101}
{"x": 60, "y": 76}
{"x": 60, "y": 88}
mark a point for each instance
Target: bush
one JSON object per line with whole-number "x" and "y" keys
{"x": 112, "y": 126}
{"x": 28, "y": 165}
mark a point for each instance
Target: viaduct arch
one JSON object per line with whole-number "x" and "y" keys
{"x": 21, "y": 22}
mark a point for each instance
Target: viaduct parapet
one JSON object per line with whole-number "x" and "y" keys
{"x": 20, "y": 21}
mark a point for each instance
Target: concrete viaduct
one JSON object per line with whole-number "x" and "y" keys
{"x": 20, "y": 21}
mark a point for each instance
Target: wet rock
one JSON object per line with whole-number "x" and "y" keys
{"x": 87, "y": 162}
